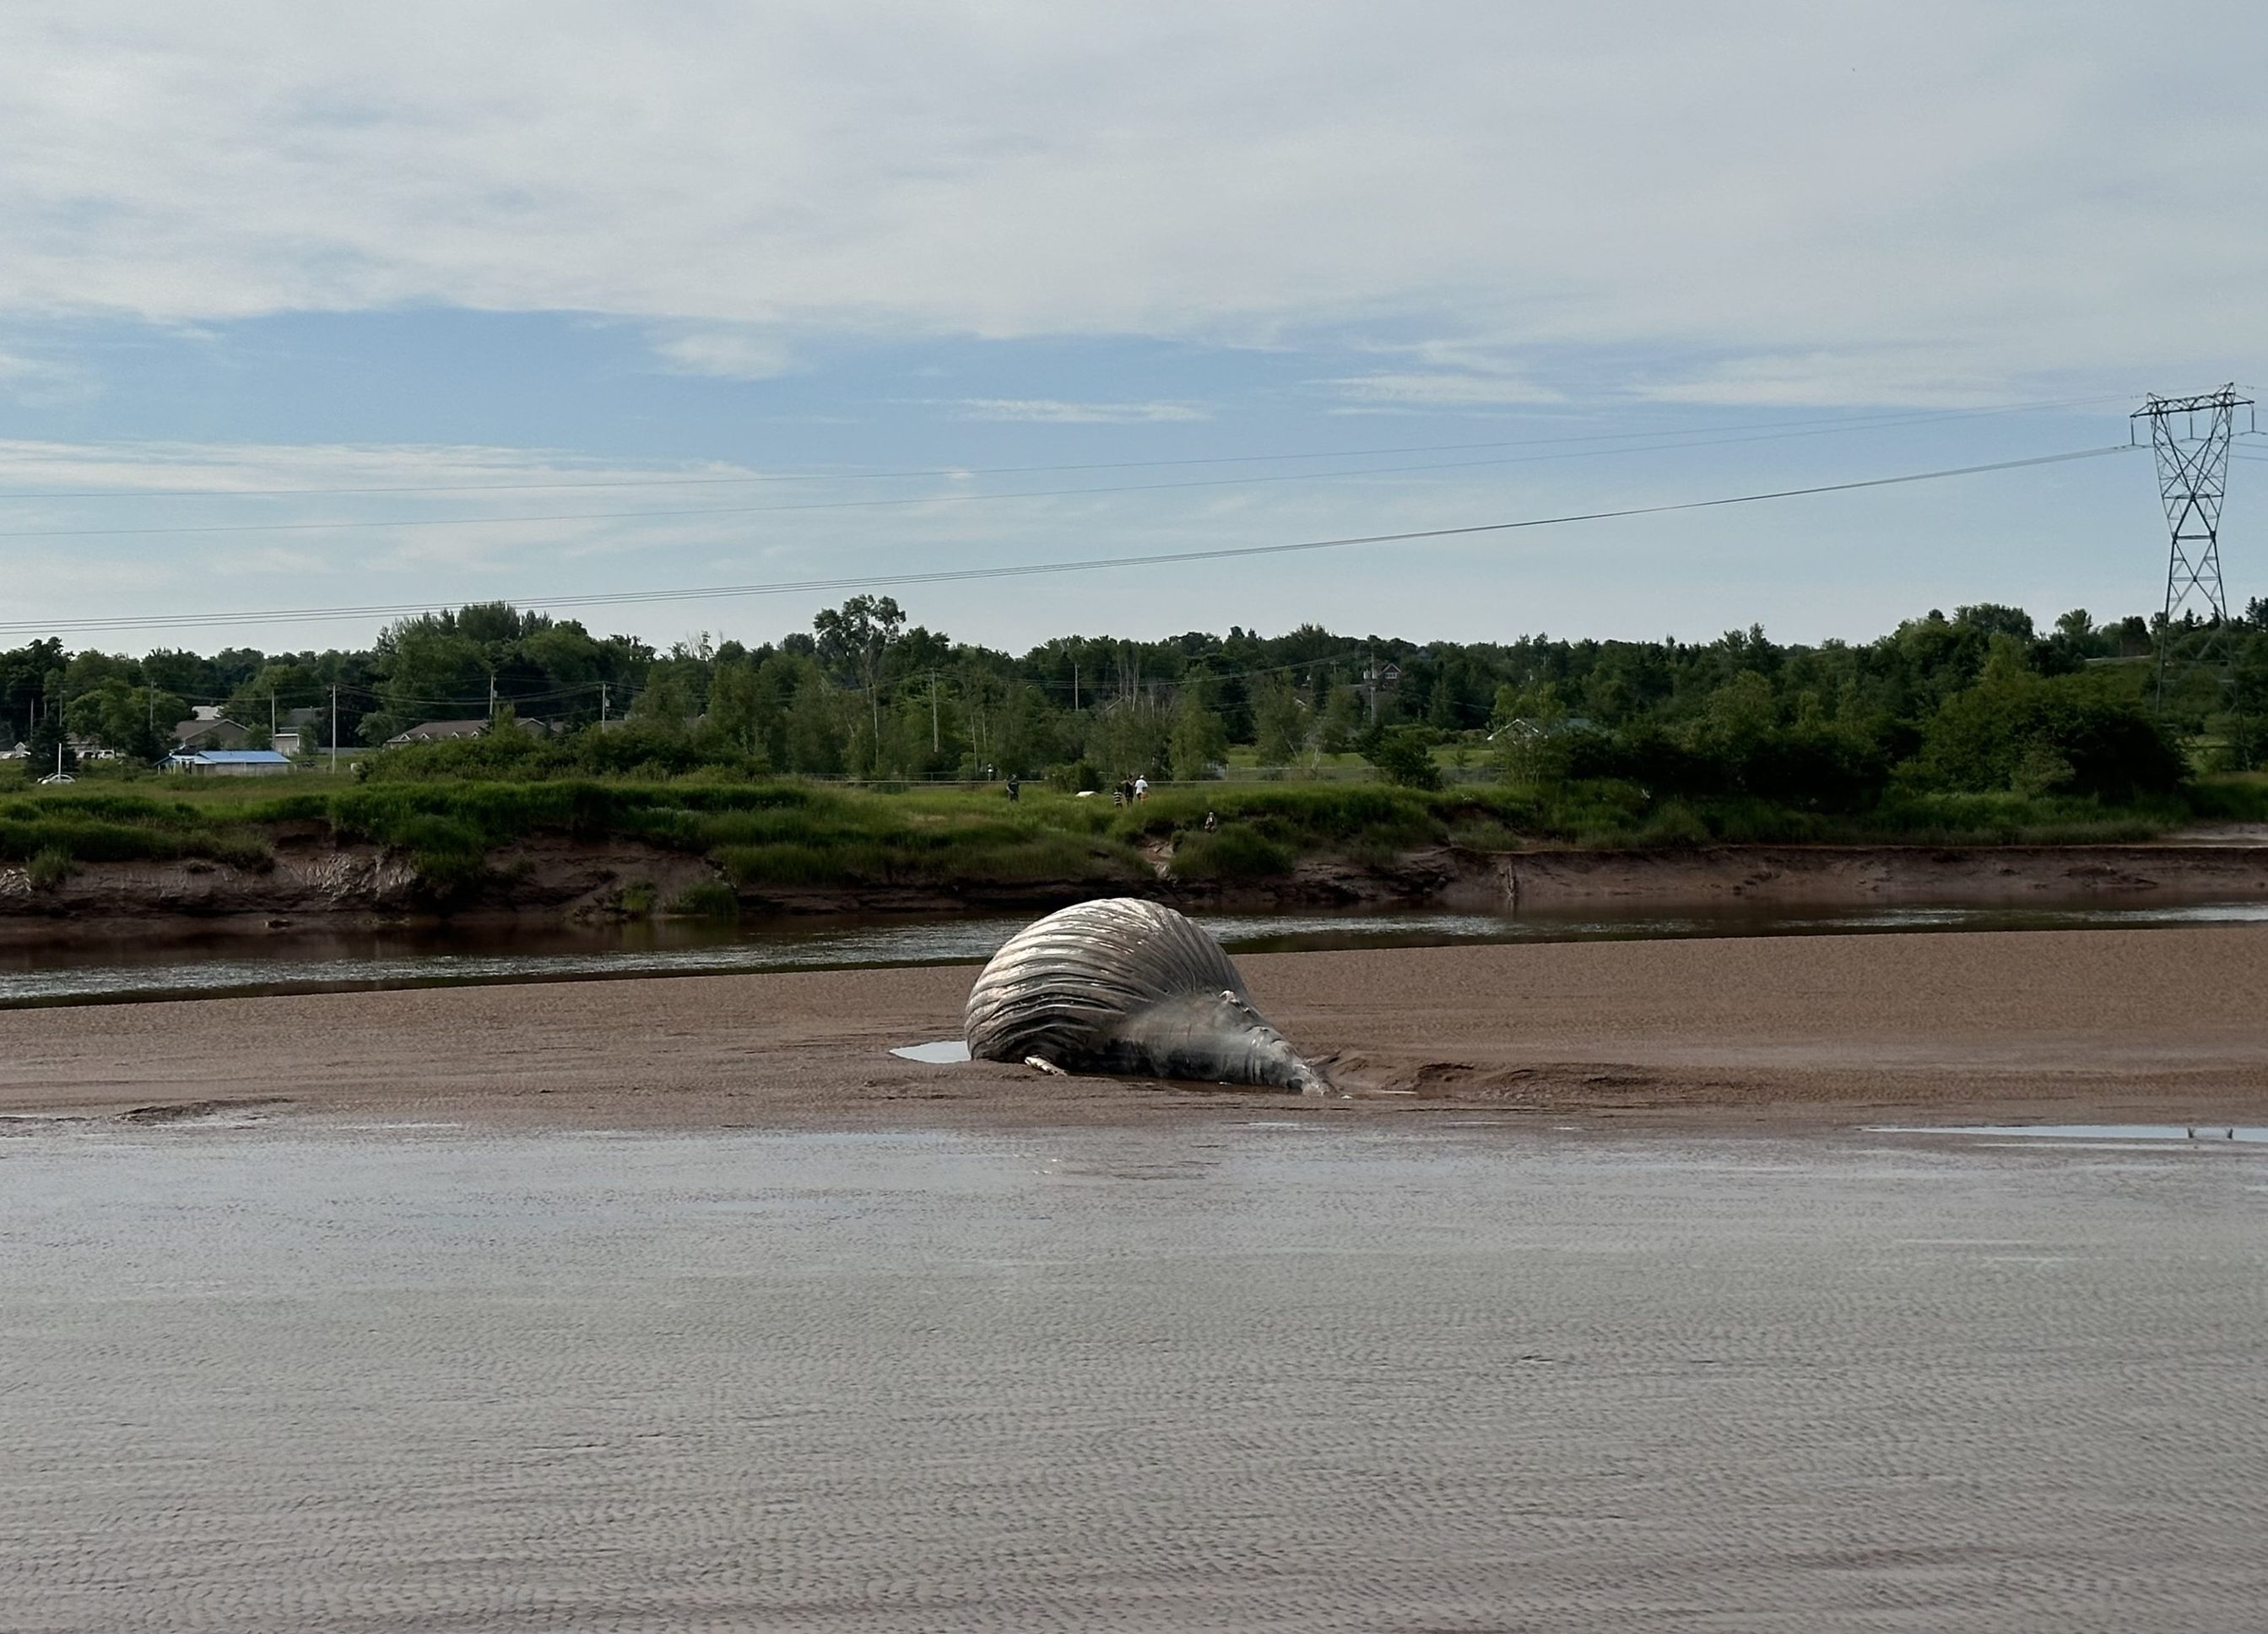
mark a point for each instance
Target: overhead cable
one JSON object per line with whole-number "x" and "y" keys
{"x": 899, "y": 502}
{"x": 1823, "y": 426}
{"x": 886, "y": 578}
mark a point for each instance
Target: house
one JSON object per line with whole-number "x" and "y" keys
{"x": 228, "y": 762}
{"x": 297, "y": 732}
{"x": 18, "y": 752}
{"x": 207, "y": 728}
{"x": 1521, "y": 729}
{"x": 444, "y": 731}
{"x": 438, "y": 732}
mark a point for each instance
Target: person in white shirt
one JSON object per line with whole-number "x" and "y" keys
{"x": 1141, "y": 788}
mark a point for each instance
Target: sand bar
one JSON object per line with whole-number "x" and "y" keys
{"x": 2114, "y": 1024}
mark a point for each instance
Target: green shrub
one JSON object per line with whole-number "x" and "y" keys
{"x": 448, "y": 853}
{"x": 2064, "y": 734}
{"x": 50, "y": 868}
{"x": 1675, "y": 825}
{"x": 1485, "y": 833}
{"x": 706, "y": 898}
{"x": 637, "y": 898}
{"x": 241, "y": 848}
{"x": 1404, "y": 755}
{"x": 752, "y": 866}
{"x": 1231, "y": 854}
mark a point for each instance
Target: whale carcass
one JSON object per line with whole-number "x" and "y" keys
{"x": 1125, "y": 986}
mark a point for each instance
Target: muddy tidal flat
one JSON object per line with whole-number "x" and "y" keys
{"x": 1250, "y": 1374}
{"x": 1599, "y": 1301}
{"x": 2138, "y": 1025}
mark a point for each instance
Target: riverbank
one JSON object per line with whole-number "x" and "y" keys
{"x": 405, "y": 852}
{"x": 321, "y": 887}
{"x": 1823, "y": 1031}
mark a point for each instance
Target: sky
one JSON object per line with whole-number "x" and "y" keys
{"x": 326, "y": 314}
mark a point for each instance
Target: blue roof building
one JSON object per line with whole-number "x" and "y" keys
{"x": 229, "y": 762}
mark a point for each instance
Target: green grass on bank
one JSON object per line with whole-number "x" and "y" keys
{"x": 786, "y": 834}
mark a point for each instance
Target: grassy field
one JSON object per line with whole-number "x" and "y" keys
{"x": 783, "y": 833}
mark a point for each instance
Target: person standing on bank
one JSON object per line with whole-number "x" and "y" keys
{"x": 1141, "y": 788}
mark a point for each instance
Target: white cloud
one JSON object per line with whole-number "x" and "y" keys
{"x": 1962, "y": 187}
{"x": 123, "y": 470}
{"x": 1443, "y": 387}
{"x": 725, "y": 353}
{"x": 1831, "y": 379}
{"x": 151, "y": 506}
{"x": 1053, "y": 411}
{"x": 41, "y": 380}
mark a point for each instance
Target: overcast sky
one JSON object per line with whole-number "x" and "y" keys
{"x": 1499, "y": 261}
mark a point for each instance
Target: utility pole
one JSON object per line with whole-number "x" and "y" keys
{"x": 933, "y": 744}
{"x": 335, "y": 729}
{"x": 2190, "y": 437}
{"x": 603, "y": 702}
{"x": 1074, "y": 686}
{"x": 492, "y": 697}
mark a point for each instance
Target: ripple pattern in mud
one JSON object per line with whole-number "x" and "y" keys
{"x": 1273, "y": 1378}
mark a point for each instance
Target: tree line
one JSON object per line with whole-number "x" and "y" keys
{"x": 1981, "y": 699}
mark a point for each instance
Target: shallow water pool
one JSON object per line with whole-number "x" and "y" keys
{"x": 1204, "y": 1377}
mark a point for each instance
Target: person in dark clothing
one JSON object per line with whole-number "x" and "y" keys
{"x": 1015, "y": 789}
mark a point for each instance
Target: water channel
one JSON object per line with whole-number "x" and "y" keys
{"x": 125, "y": 969}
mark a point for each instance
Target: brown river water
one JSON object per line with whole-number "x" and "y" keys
{"x": 296, "y": 1375}
{"x": 83, "y": 969}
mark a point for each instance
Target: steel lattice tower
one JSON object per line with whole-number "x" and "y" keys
{"x": 2190, "y": 436}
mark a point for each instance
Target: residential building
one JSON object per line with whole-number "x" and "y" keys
{"x": 208, "y": 729}
{"x": 443, "y": 730}
{"x": 297, "y": 732}
{"x": 228, "y": 762}
{"x": 438, "y": 732}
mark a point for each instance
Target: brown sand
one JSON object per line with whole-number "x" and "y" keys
{"x": 2155, "y": 1024}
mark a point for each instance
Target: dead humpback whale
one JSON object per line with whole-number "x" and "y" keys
{"x": 1121, "y": 985}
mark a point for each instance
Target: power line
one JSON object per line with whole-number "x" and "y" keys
{"x": 1799, "y": 428}
{"x": 857, "y": 504}
{"x": 1035, "y": 569}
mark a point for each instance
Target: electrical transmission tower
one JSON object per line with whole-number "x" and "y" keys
{"x": 2190, "y": 437}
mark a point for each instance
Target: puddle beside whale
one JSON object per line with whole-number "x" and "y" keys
{"x": 944, "y": 1051}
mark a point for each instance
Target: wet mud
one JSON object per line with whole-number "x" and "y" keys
{"x": 1263, "y": 1373}
{"x": 2139, "y": 1027}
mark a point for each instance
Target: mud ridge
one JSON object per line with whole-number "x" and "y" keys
{"x": 311, "y": 883}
